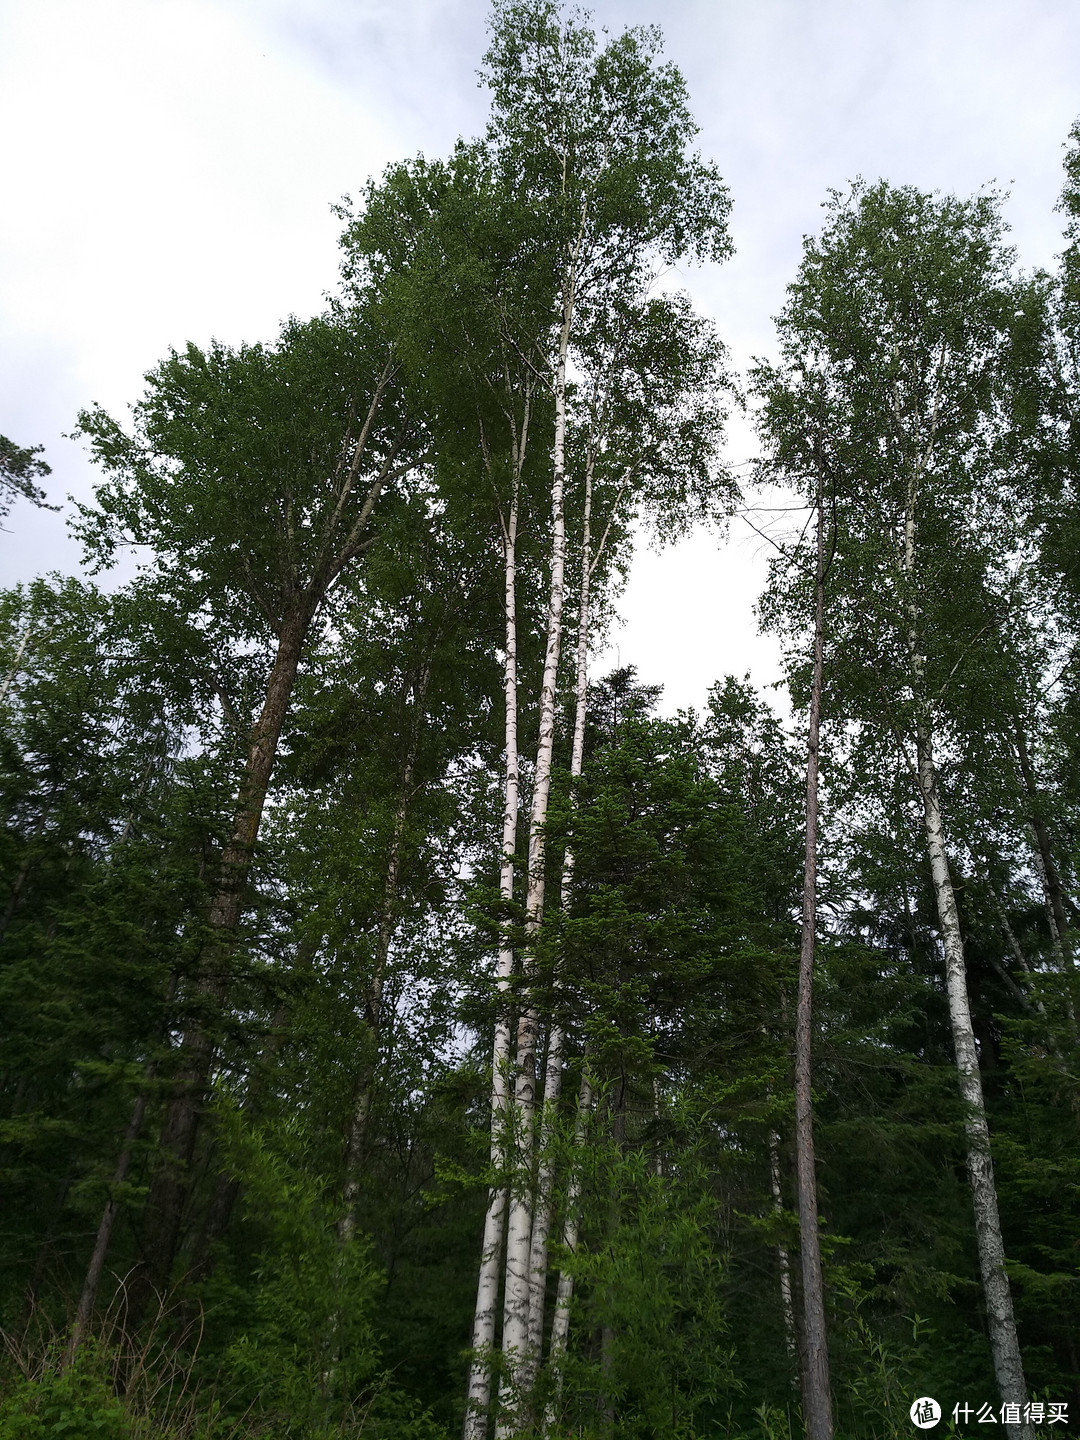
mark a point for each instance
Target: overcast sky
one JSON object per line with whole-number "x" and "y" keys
{"x": 168, "y": 168}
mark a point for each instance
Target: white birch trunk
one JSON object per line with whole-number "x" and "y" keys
{"x": 518, "y": 1365}
{"x": 88, "y": 1297}
{"x": 24, "y": 640}
{"x": 541, "y": 1231}
{"x": 560, "y": 1321}
{"x": 1001, "y": 1322}
{"x": 478, "y": 1396}
{"x": 1057, "y": 938}
{"x": 1008, "y": 1366}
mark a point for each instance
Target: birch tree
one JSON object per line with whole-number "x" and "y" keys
{"x": 894, "y": 345}
{"x": 598, "y": 139}
{"x": 582, "y": 186}
{"x": 461, "y": 260}
{"x": 647, "y": 419}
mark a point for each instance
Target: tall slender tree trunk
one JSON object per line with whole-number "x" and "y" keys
{"x": 215, "y": 1223}
{"x": 517, "y": 1362}
{"x": 1001, "y": 1322}
{"x": 169, "y": 1185}
{"x": 560, "y": 1320}
{"x": 541, "y": 1231}
{"x": 1030, "y": 999}
{"x": 608, "y": 1333}
{"x": 478, "y": 1395}
{"x": 816, "y": 1396}
{"x": 167, "y": 1195}
{"x": 1008, "y": 1366}
{"x": 88, "y": 1296}
{"x": 96, "y": 1268}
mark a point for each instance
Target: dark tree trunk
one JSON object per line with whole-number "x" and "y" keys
{"x": 816, "y": 1397}
{"x": 608, "y": 1337}
{"x": 219, "y": 1213}
{"x": 96, "y": 1268}
{"x": 167, "y": 1197}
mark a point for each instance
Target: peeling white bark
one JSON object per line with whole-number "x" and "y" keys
{"x": 1008, "y": 1366}
{"x": 518, "y": 1362}
{"x": 1001, "y": 1322}
{"x": 478, "y": 1394}
{"x": 541, "y": 1231}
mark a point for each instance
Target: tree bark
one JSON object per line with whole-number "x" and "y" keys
{"x": 88, "y": 1297}
{"x": 1008, "y": 1366}
{"x": 560, "y": 1321}
{"x": 167, "y": 1195}
{"x": 783, "y": 1259}
{"x": 816, "y": 1396}
{"x": 169, "y": 1184}
{"x": 24, "y": 640}
{"x": 518, "y": 1365}
{"x": 541, "y": 1231}
{"x": 478, "y": 1394}
{"x": 1005, "y": 1348}
{"x": 1049, "y": 874}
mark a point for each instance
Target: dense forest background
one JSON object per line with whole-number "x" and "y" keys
{"x": 401, "y": 1024}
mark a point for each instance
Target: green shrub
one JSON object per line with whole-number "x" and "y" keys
{"x": 74, "y": 1405}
